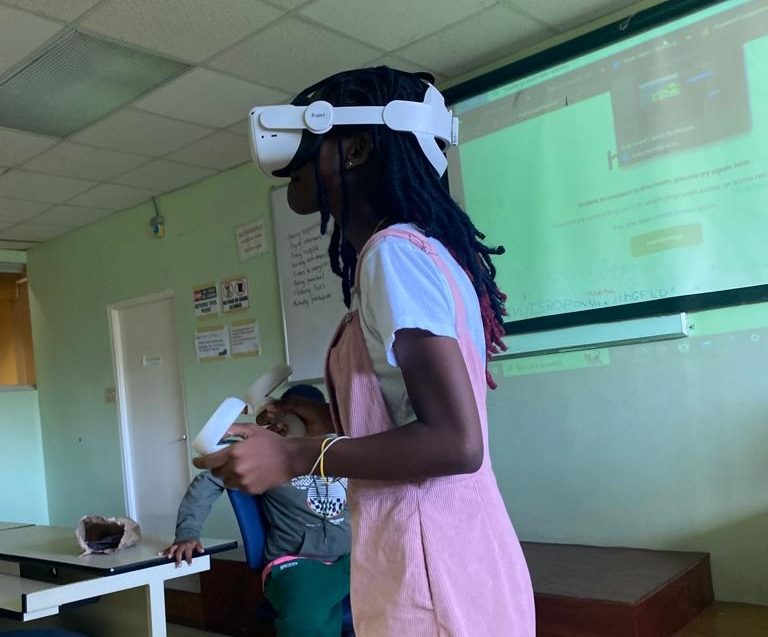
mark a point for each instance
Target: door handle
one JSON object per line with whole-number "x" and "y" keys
{"x": 182, "y": 439}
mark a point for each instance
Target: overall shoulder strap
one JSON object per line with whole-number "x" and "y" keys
{"x": 421, "y": 242}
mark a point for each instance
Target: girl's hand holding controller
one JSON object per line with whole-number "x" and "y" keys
{"x": 241, "y": 431}
{"x": 262, "y": 461}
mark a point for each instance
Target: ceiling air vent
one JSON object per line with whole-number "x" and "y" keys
{"x": 76, "y": 81}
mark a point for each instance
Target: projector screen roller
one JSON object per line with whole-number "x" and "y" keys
{"x": 633, "y": 173}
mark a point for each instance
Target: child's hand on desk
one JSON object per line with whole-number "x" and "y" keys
{"x": 183, "y": 550}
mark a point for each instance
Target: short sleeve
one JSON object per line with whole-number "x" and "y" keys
{"x": 401, "y": 287}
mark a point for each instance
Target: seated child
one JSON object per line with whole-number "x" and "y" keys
{"x": 306, "y": 576}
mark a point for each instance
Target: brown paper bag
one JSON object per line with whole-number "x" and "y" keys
{"x": 96, "y": 534}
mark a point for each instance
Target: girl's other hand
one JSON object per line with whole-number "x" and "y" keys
{"x": 316, "y": 416}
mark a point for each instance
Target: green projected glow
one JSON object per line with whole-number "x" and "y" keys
{"x": 635, "y": 173}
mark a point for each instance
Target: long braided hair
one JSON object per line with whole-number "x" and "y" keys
{"x": 409, "y": 187}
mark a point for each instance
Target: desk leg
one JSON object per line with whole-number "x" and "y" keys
{"x": 156, "y": 609}
{"x": 136, "y": 612}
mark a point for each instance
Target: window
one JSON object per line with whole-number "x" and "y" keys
{"x": 17, "y": 366}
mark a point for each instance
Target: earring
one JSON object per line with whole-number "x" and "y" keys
{"x": 348, "y": 164}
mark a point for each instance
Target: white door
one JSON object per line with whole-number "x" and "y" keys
{"x": 151, "y": 405}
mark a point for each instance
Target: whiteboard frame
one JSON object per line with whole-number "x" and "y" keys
{"x": 283, "y": 286}
{"x": 643, "y": 330}
{"x": 280, "y": 280}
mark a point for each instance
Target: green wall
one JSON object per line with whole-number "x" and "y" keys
{"x": 20, "y": 428}
{"x": 657, "y": 445}
{"x": 13, "y": 256}
{"x": 76, "y": 277}
{"x": 22, "y": 472}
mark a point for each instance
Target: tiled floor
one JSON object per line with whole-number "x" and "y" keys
{"x": 182, "y": 631}
{"x": 729, "y": 620}
{"x": 721, "y": 620}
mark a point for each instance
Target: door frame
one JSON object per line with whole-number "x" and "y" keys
{"x": 118, "y": 361}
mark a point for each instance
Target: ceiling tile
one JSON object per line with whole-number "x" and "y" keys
{"x": 75, "y": 160}
{"x": 197, "y": 97}
{"x": 141, "y": 133}
{"x": 478, "y": 40}
{"x": 401, "y": 64}
{"x": 20, "y": 34}
{"x": 112, "y": 196}
{"x": 16, "y": 146}
{"x": 566, "y": 14}
{"x": 164, "y": 175}
{"x": 70, "y": 216}
{"x": 32, "y": 232}
{"x": 192, "y": 30}
{"x": 67, "y": 10}
{"x": 219, "y": 151}
{"x": 301, "y": 54}
{"x": 392, "y": 24}
{"x": 241, "y": 128}
{"x": 20, "y": 184}
{"x": 15, "y": 245}
{"x": 287, "y": 5}
{"x": 77, "y": 81}
{"x": 15, "y": 210}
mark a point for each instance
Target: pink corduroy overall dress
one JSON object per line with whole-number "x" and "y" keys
{"x": 438, "y": 557}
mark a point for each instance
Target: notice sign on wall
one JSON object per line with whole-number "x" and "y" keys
{"x": 251, "y": 240}
{"x": 206, "y": 299}
{"x": 234, "y": 293}
{"x": 245, "y": 338}
{"x": 212, "y": 343}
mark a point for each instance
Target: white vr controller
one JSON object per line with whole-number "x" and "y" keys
{"x": 209, "y": 440}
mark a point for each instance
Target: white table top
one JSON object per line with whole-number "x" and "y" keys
{"x": 4, "y": 526}
{"x": 53, "y": 545}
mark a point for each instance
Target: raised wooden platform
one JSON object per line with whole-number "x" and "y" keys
{"x": 581, "y": 591}
{"x": 588, "y": 591}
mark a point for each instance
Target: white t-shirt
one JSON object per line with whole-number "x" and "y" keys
{"x": 401, "y": 287}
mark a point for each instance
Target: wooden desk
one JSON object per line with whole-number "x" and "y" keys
{"x": 52, "y": 581}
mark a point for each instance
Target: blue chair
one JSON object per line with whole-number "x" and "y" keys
{"x": 253, "y": 529}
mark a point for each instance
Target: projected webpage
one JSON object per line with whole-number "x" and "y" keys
{"x": 634, "y": 173}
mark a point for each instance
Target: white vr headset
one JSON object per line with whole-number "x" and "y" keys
{"x": 276, "y": 131}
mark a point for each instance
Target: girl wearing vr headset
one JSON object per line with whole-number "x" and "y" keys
{"x": 434, "y": 552}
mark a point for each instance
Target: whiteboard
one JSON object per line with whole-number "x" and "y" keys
{"x": 310, "y": 293}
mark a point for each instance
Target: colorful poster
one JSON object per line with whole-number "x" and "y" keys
{"x": 234, "y": 293}
{"x": 245, "y": 338}
{"x": 212, "y": 343}
{"x": 206, "y": 299}
{"x": 251, "y": 240}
